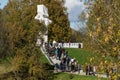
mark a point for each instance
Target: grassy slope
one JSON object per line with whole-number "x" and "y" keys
{"x": 65, "y": 76}
{"x": 5, "y": 65}
{"x": 44, "y": 59}
{"x": 84, "y": 56}
{"x": 81, "y": 55}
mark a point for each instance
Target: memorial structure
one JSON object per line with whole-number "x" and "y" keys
{"x": 43, "y": 17}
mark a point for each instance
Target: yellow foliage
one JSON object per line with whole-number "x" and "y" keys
{"x": 114, "y": 48}
{"x": 117, "y": 40}
{"x": 98, "y": 19}
{"x": 91, "y": 59}
{"x": 101, "y": 63}
{"x": 106, "y": 39}
{"x": 118, "y": 33}
{"x": 103, "y": 56}
{"x": 90, "y": 34}
{"x": 110, "y": 28}
{"x": 105, "y": 61}
{"x": 111, "y": 19}
{"x": 98, "y": 29}
{"x": 104, "y": 26}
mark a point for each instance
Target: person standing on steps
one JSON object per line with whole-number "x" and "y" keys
{"x": 87, "y": 70}
{"x": 94, "y": 70}
{"x": 56, "y": 53}
{"x": 79, "y": 68}
{"x": 67, "y": 63}
{"x": 59, "y": 53}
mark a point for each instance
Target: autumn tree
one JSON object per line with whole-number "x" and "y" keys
{"x": 3, "y": 38}
{"x": 104, "y": 29}
{"x": 22, "y": 30}
{"x": 1, "y": 35}
{"x": 59, "y": 29}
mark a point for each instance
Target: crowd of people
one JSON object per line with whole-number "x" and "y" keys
{"x": 68, "y": 64}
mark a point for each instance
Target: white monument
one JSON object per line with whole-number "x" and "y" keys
{"x": 42, "y": 16}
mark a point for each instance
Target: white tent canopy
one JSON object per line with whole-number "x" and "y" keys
{"x": 42, "y": 14}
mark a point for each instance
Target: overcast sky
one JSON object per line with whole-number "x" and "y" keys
{"x": 74, "y": 9}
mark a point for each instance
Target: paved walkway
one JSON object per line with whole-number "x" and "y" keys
{"x": 54, "y": 61}
{"x": 47, "y": 56}
{"x": 82, "y": 73}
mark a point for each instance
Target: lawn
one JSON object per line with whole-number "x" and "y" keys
{"x": 5, "y": 68}
{"x": 81, "y": 55}
{"x": 84, "y": 56}
{"x": 44, "y": 59}
{"x": 66, "y": 76}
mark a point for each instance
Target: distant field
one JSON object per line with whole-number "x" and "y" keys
{"x": 66, "y": 76}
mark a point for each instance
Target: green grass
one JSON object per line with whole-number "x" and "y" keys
{"x": 84, "y": 56}
{"x": 5, "y": 66}
{"x": 81, "y": 55}
{"x": 44, "y": 59}
{"x": 66, "y": 76}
